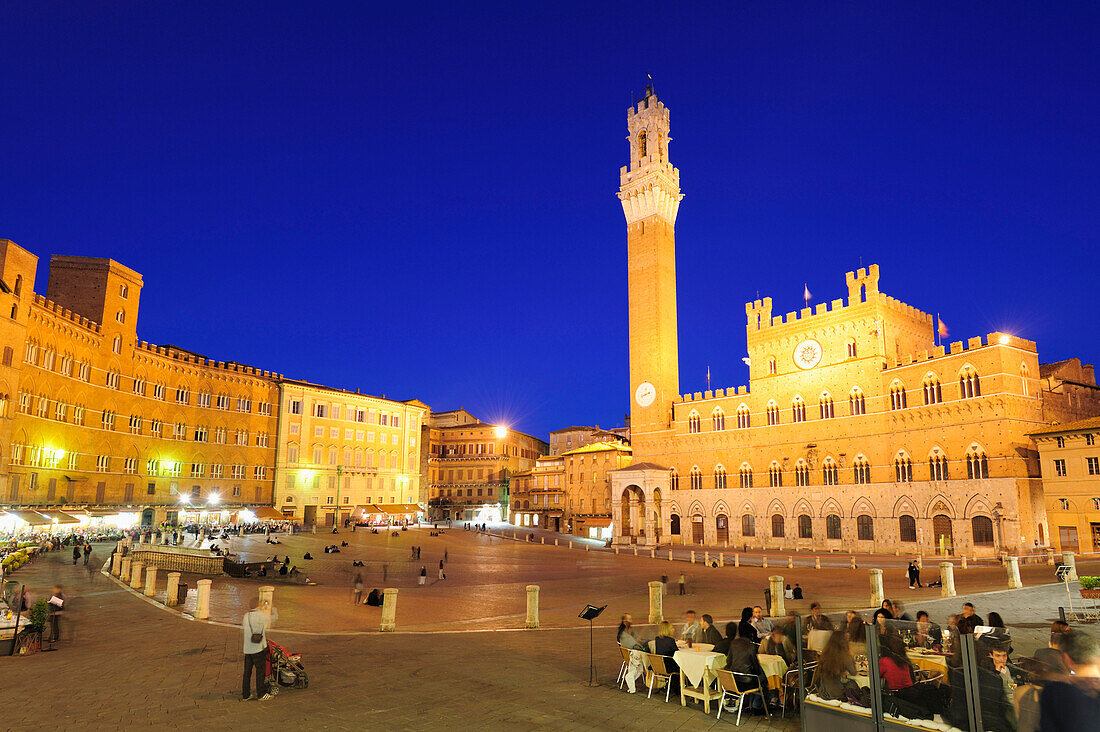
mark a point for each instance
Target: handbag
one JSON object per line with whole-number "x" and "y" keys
{"x": 256, "y": 637}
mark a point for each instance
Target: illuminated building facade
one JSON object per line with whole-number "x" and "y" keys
{"x": 856, "y": 432}
{"x": 1070, "y": 458}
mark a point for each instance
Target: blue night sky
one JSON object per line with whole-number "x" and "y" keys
{"x": 419, "y": 200}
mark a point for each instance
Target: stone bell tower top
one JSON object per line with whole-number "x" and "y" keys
{"x": 650, "y": 184}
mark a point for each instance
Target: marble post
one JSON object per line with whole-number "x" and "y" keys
{"x": 389, "y": 609}
{"x": 777, "y": 609}
{"x": 693, "y": 556}
{"x": 173, "y": 589}
{"x": 202, "y": 612}
{"x": 817, "y": 562}
{"x": 1012, "y": 567}
{"x": 125, "y": 574}
{"x": 135, "y": 574}
{"x": 877, "y": 593}
{"x": 947, "y": 579}
{"x": 150, "y": 581}
{"x": 116, "y": 564}
{"x": 963, "y": 561}
{"x": 1068, "y": 560}
{"x": 267, "y": 595}
{"x": 656, "y": 602}
{"x": 532, "y": 607}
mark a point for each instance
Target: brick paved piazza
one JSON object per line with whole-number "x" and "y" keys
{"x": 127, "y": 663}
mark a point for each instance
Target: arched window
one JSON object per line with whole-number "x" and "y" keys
{"x": 748, "y": 525}
{"x": 1063, "y": 504}
{"x": 8, "y": 355}
{"x": 673, "y": 479}
{"x": 829, "y": 472}
{"x": 865, "y": 528}
{"x": 897, "y": 396}
{"x": 977, "y": 465}
{"x": 696, "y": 478}
{"x": 120, "y": 316}
{"x": 18, "y": 285}
{"x": 805, "y": 527}
{"x": 777, "y": 526}
{"x": 982, "y": 528}
{"x": 857, "y": 404}
{"x": 851, "y": 348}
{"x": 641, "y": 144}
{"x": 771, "y": 366}
{"x": 743, "y": 417}
{"x": 937, "y": 465}
{"x": 832, "y": 526}
{"x": 933, "y": 393}
{"x": 1025, "y": 374}
{"x": 1096, "y": 504}
{"x": 745, "y": 474}
{"x": 825, "y": 404}
{"x": 674, "y": 524}
{"x": 719, "y": 419}
{"x": 969, "y": 384}
{"x": 861, "y": 470}
{"x": 801, "y": 473}
{"x": 903, "y": 468}
{"x": 908, "y": 528}
{"x": 775, "y": 475}
{"x": 719, "y": 477}
{"x": 773, "y": 413}
{"x": 693, "y": 422}
{"x": 798, "y": 409}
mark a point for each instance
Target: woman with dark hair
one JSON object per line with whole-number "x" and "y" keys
{"x": 723, "y": 646}
{"x": 745, "y": 629}
{"x": 893, "y": 662}
{"x": 626, "y": 637}
{"x": 834, "y": 666}
{"x": 855, "y": 635}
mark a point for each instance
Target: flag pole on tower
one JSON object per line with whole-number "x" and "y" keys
{"x": 806, "y": 294}
{"x": 708, "y": 377}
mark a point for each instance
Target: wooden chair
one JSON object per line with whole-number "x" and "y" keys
{"x": 658, "y": 670}
{"x": 625, "y": 653}
{"x": 736, "y": 685}
{"x": 790, "y": 685}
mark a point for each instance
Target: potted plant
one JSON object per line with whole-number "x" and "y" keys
{"x": 30, "y": 636}
{"x": 1090, "y": 588}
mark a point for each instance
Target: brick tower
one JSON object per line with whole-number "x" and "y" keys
{"x": 650, "y": 194}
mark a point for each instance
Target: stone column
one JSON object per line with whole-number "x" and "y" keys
{"x": 670, "y": 555}
{"x": 202, "y": 612}
{"x": 135, "y": 574}
{"x": 532, "y": 607}
{"x": 173, "y": 589}
{"x": 1050, "y": 557}
{"x": 150, "y": 581}
{"x": 721, "y": 559}
{"x": 877, "y": 593}
{"x": 765, "y": 564}
{"x": 736, "y": 560}
{"x": 635, "y": 550}
{"x": 116, "y": 564}
{"x": 389, "y": 609}
{"x": 777, "y": 609}
{"x": 920, "y": 562}
{"x": 817, "y": 562}
{"x": 1012, "y": 567}
{"x": 963, "y": 561}
{"x": 947, "y": 579}
{"x": 124, "y": 575}
{"x": 656, "y": 602}
{"x": 853, "y": 562}
{"x": 653, "y": 552}
{"x": 1068, "y": 560}
{"x": 790, "y": 562}
{"x": 706, "y": 558}
{"x": 267, "y": 595}
{"x": 693, "y": 556}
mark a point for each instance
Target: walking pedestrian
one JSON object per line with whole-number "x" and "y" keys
{"x": 87, "y": 552}
{"x": 445, "y": 559}
{"x": 254, "y": 627}
{"x": 358, "y": 588}
{"x": 76, "y": 555}
{"x": 423, "y": 574}
{"x": 57, "y": 607}
{"x": 418, "y": 552}
{"x": 442, "y": 576}
{"x": 385, "y": 571}
{"x": 683, "y": 581}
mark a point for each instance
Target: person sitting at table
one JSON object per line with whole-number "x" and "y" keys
{"x": 893, "y": 662}
{"x": 690, "y": 630}
{"x": 854, "y": 632}
{"x": 928, "y": 634}
{"x": 999, "y": 633}
{"x": 723, "y": 645}
{"x": 1053, "y": 656}
{"x": 1072, "y": 703}
{"x": 778, "y": 644}
{"x": 741, "y": 658}
{"x": 763, "y": 625}
{"x": 834, "y": 668}
{"x": 998, "y": 709}
{"x": 665, "y": 645}
{"x": 745, "y": 628}
{"x": 626, "y": 637}
{"x": 709, "y": 634}
{"x": 970, "y": 619}
{"x": 817, "y": 620}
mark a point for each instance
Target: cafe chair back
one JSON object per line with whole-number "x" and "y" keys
{"x": 658, "y": 670}
{"x": 736, "y": 685}
{"x": 790, "y": 685}
{"x": 625, "y": 653}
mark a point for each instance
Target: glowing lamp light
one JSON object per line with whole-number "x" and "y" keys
{"x": 183, "y": 498}
{"x": 213, "y": 499}
{"x": 57, "y": 453}
{"x": 247, "y": 516}
{"x": 500, "y": 432}
{"x": 1005, "y": 339}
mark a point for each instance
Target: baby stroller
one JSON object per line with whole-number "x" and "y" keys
{"x": 284, "y": 669}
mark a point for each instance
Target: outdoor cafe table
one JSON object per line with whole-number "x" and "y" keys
{"x": 697, "y": 674}
{"x": 775, "y": 668}
{"x": 928, "y": 661}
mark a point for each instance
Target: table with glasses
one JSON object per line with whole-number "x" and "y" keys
{"x": 775, "y": 669}
{"x": 698, "y": 679}
{"x": 928, "y": 660}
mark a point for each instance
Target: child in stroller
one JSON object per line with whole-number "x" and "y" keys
{"x": 284, "y": 669}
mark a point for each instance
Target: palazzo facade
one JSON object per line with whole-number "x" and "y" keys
{"x": 856, "y": 431}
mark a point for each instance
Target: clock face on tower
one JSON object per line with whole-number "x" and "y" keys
{"x": 645, "y": 394}
{"x": 807, "y": 354}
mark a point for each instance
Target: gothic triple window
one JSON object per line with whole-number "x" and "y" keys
{"x": 969, "y": 384}
{"x": 861, "y": 470}
{"x": 933, "y": 392}
{"x": 897, "y": 396}
{"x": 857, "y": 403}
{"x": 773, "y": 413}
{"x": 903, "y": 469}
{"x": 719, "y": 477}
{"x": 719, "y": 419}
{"x": 829, "y": 473}
{"x": 977, "y": 465}
{"x": 801, "y": 473}
{"x": 825, "y": 404}
{"x": 745, "y": 475}
{"x": 775, "y": 475}
{"x": 742, "y": 417}
{"x": 937, "y": 465}
{"x": 798, "y": 409}
{"x": 693, "y": 422}
{"x": 696, "y": 478}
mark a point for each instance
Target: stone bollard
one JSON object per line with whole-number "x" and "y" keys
{"x": 135, "y": 574}
{"x": 555, "y": 542}
{"x": 652, "y": 552}
{"x": 947, "y": 579}
{"x": 389, "y": 610}
{"x": 670, "y": 555}
{"x": 1012, "y": 567}
{"x": 532, "y": 607}
{"x": 124, "y": 575}
{"x": 150, "y": 581}
{"x": 173, "y": 589}
{"x": 543, "y": 539}
{"x": 920, "y": 562}
{"x": 706, "y": 558}
{"x": 964, "y": 561}
{"x": 1068, "y": 560}
{"x": 693, "y": 556}
{"x": 635, "y": 550}
{"x": 586, "y": 547}
{"x": 267, "y": 595}
{"x": 616, "y": 549}
{"x": 853, "y": 562}
{"x": 1050, "y": 557}
{"x": 116, "y": 564}
{"x": 765, "y": 564}
{"x": 737, "y": 560}
{"x": 202, "y": 611}
{"x": 817, "y": 562}
{"x": 721, "y": 559}
{"x": 877, "y": 593}
{"x": 777, "y": 610}
{"x": 656, "y": 602}
{"x": 790, "y": 562}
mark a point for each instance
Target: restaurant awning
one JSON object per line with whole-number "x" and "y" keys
{"x": 594, "y": 522}
{"x": 60, "y": 517}
{"x": 30, "y": 517}
{"x": 369, "y": 510}
{"x": 399, "y": 509}
{"x": 267, "y": 513}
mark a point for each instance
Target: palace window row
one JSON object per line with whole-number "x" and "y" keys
{"x": 981, "y": 527}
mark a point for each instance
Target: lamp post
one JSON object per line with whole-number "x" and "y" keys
{"x": 336, "y": 515}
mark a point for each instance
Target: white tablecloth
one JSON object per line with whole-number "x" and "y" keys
{"x": 817, "y": 639}
{"x": 928, "y": 661}
{"x": 775, "y": 668}
{"x": 693, "y": 663}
